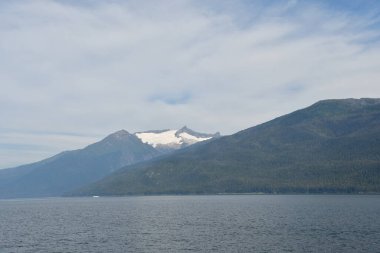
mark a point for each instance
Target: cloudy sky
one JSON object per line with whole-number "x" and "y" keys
{"x": 72, "y": 72}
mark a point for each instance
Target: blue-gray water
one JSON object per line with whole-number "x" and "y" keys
{"x": 238, "y": 223}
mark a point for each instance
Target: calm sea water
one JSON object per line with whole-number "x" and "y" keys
{"x": 239, "y": 223}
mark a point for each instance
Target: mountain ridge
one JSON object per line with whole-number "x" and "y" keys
{"x": 332, "y": 146}
{"x": 72, "y": 169}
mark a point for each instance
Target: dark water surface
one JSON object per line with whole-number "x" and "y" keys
{"x": 236, "y": 223}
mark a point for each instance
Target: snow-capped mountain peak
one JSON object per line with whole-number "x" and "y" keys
{"x": 173, "y": 139}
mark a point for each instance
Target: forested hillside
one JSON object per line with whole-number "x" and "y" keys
{"x": 332, "y": 146}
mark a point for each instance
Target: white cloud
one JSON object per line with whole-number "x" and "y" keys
{"x": 95, "y": 68}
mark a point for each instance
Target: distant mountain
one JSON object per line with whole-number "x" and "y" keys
{"x": 169, "y": 140}
{"x": 332, "y": 146}
{"x": 71, "y": 169}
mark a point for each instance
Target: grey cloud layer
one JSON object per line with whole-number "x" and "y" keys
{"x": 93, "y": 69}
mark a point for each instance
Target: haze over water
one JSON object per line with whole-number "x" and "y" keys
{"x": 238, "y": 223}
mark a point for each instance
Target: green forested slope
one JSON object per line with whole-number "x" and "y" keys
{"x": 332, "y": 146}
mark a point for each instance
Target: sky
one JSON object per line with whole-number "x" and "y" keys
{"x": 72, "y": 72}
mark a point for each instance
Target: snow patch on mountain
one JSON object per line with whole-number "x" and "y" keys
{"x": 163, "y": 138}
{"x": 172, "y": 138}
